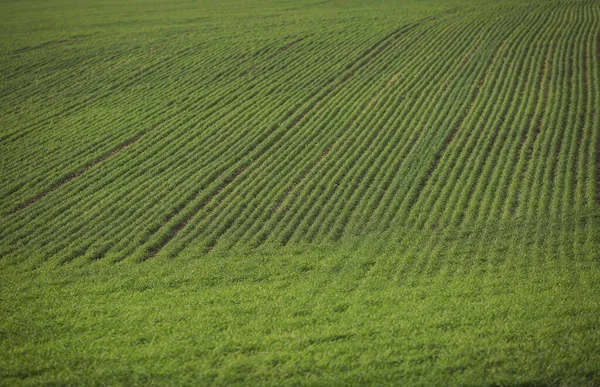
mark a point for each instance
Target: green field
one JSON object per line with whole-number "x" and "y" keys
{"x": 280, "y": 192}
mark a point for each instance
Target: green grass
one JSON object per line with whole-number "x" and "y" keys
{"x": 309, "y": 192}
{"x": 358, "y": 314}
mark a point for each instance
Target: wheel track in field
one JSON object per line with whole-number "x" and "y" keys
{"x": 187, "y": 219}
{"x": 71, "y": 176}
{"x": 332, "y": 144}
{"x": 28, "y": 203}
{"x": 306, "y": 6}
{"x": 311, "y": 166}
{"x": 352, "y": 69}
{"x": 85, "y": 102}
{"x": 466, "y": 59}
{"x": 223, "y": 173}
{"x": 306, "y": 172}
{"x": 57, "y": 42}
{"x": 288, "y": 235}
{"x": 448, "y": 140}
{"x": 273, "y": 56}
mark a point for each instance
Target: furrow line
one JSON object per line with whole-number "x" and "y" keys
{"x": 530, "y": 194}
{"x": 508, "y": 206}
{"x": 384, "y": 159}
{"x": 218, "y": 213}
{"x": 458, "y": 127}
{"x": 80, "y": 172}
{"x": 303, "y": 176}
{"x": 109, "y": 91}
{"x": 420, "y": 177}
{"x": 499, "y": 137}
{"x": 371, "y": 54}
{"x": 254, "y": 146}
{"x": 298, "y": 214}
{"x": 180, "y": 226}
{"x": 273, "y": 56}
{"x": 377, "y": 205}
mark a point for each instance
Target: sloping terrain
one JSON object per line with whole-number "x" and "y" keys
{"x": 293, "y": 126}
{"x": 340, "y": 154}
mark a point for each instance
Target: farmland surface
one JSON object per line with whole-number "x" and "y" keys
{"x": 313, "y": 192}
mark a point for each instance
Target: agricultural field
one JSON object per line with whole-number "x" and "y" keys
{"x": 274, "y": 192}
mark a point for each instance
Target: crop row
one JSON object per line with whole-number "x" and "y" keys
{"x": 457, "y": 120}
{"x": 228, "y": 129}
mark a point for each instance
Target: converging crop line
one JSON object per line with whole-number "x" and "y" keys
{"x": 394, "y": 36}
{"x": 598, "y": 172}
{"x": 82, "y": 103}
{"x": 546, "y": 72}
{"x": 80, "y": 172}
{"x": 429, "y": 172}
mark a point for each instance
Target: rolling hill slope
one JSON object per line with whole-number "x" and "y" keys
{"x": 344, "y": 153}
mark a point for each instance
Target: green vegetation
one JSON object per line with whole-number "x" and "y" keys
{"x": 308, "y": 192}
